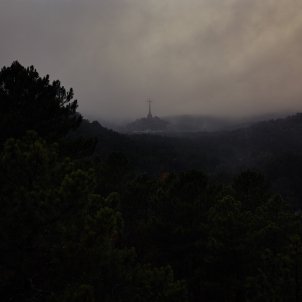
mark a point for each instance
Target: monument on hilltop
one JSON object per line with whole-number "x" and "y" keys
{"x": 149, "y": 124}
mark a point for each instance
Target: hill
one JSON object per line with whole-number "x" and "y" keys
{"x": 269, "y": 146}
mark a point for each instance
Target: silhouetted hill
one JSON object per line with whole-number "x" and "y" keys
{"x": 270, "y": 146}
{"x": 147, "y": 125}
{"x": 91, "y": 129}
{"x": 108, "y": 141}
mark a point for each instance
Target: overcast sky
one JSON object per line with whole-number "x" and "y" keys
{"x": 234, "y": 57}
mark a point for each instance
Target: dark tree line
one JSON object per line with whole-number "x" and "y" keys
{"x": 29, "y": 101}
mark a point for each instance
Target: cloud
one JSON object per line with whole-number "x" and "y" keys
{"x": 230, "y": 57}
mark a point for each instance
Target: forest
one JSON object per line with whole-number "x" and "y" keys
{"x": 88, "y": 214}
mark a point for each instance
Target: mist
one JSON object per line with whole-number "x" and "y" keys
{"x": 213, "y": 57}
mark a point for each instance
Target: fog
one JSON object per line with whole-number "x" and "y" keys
{"x": 214, "y": 57}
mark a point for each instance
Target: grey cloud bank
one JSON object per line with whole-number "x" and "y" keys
{"x": 221, "y": 57}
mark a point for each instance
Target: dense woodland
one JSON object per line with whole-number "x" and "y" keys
{"x": 88, "y": 214}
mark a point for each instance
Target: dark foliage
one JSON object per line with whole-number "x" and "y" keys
{"x": 134, "y": 222}
{"x": 31, "y": 102}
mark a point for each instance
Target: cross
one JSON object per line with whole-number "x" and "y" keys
{"x": 149, "y": 114}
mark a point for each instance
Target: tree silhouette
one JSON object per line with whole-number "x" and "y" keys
{"x": 31, "y": 102}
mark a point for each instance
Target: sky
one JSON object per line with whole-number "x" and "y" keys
{"x": 212, "y": 57}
